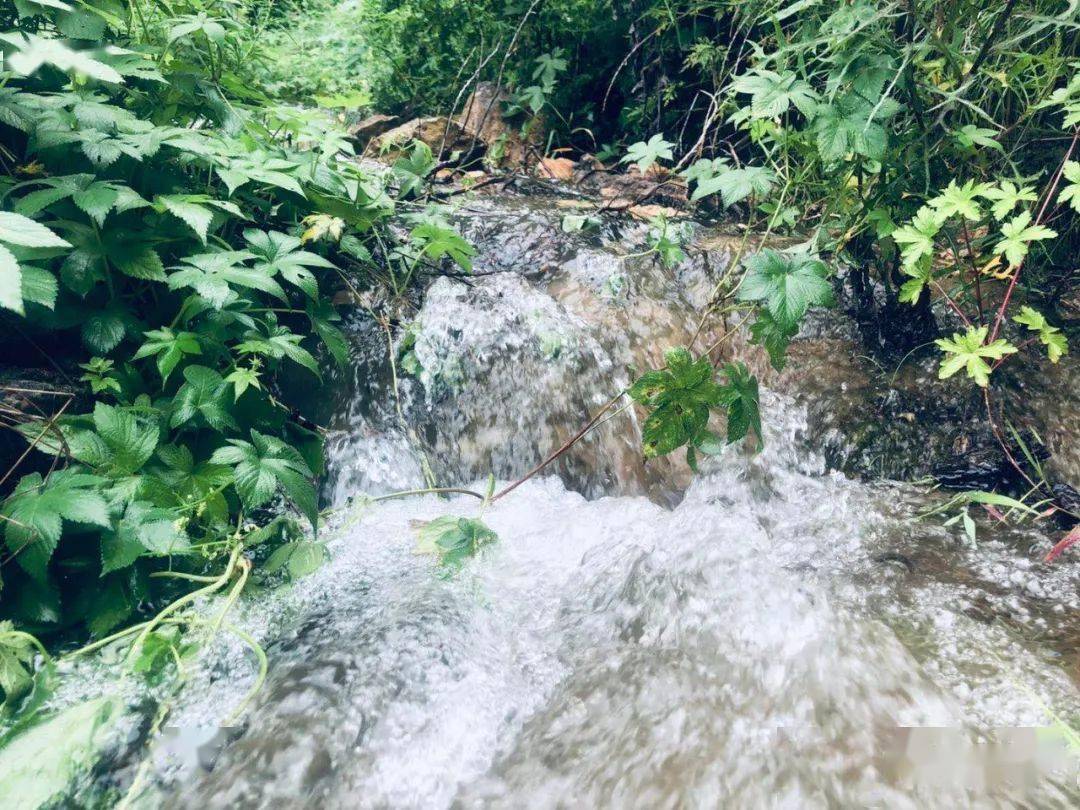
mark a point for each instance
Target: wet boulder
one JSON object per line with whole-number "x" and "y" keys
{"x": 444, "y": 137}
{"x": 509, "y": 146}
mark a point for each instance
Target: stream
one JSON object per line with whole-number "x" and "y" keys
{"x": 780, "y": 630}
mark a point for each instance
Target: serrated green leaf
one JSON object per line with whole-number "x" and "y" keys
{"x": 36, "y": 509}
{"x": 789, "y": 284}
{"x": 1017, "y": 235}
{"x": 195, "y": 216}
{"x": 15, "y": 229}
{"x": 265, "y": 463}
{"x": 970, "y": 351}
{"x": 144, "y": 265}
{"x": 11, "y": 282}
{"x": 644, "y": 154}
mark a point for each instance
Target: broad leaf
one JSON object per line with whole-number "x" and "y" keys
{"x": 788, "y": 284}
{"x": 970, "y": 351}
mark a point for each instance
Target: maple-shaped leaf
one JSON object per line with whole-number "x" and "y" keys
{"x": 1071, "y": 193}
{"x": 679, "y": 398}
{"x": 204, "y": 393}
{"x": 644, "y": 154}
{"x": 1006, "y": 196}
{"x": 916, "y": 239}
{"x": 37, "y": 509}
{"x": 703, "y": 169}
{"x": 970, "y": 351}
{"x": 741, "y": 397}
{"x": 169, "y": 347}
{"x": 960, "y": 200}
{"x": 264, "y": 464}
{"x": 548, "y": 67}
{"x": 735, "y": 185}
{"x": 1050, "y": 336}
{"x": 851, "y": 125}
{"x": 279, "y": 253}
{"x": 787, "y": 283}
{"x": 772, "y": 94}
{"x": 1017, "y": 235}
{"x": 437, "y": 242}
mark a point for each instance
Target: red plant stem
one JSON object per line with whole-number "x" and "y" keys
{"x": 952, "y": 304}
{"x": 975, "y": 270}
{"x": 570, "y": 443}
{"x": 1051, "y": 191}
{"x": 1001, "y": 441}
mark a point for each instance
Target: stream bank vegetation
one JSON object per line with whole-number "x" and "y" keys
{"x": 179, "y": 201}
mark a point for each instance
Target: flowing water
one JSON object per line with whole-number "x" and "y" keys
{"x": 769, "y": 633}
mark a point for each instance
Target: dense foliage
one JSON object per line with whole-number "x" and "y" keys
{"x": 860, "y": 127}
{"x": 179, "y": 236}
{"x": 172, "y": 226}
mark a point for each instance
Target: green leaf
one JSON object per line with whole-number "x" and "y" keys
{"x": 204, "y": 393}
{"x": 130, "y": 440}
{"x": 144, "y": 264}
{"x": 411, "y": 170}
{"x": 33, "y": 51}
{"x": 195, "y": 216}
{"x": 970, "y": 351}
{"x": 213, "y": 275}
{"x": 1070, "y": 193}
{"x": 437, "y": 242}
{"x": 102, "y": 331}
{"x": 17, "y": 653}
{"x": 15, "y": 229}
{"x": 917, "y": 239}
{"x": 97, "y": 200}
{"x": 735, "y": 185}
{"x": 742, "y": 399}
{"x": 37, "y": 508}
{"x": 789, "y": 284}
{"x": 767, "y": 332}
{"x": 322, "y": 317}
{"x": 169, "y": 347}
{"x": 298, "y": 558}
{"x": 645, "y": 154}
{"x": 264, "y": 464}
{"x": 452, "y": 539}
{"x": 1006, "y": 197}
{"x": 959, "y": 200}
{"x": 772, "y": 94}
{"x": 243, "y": 378}
{"x": 1017, "y": 235}
{"x": 41, "y": 763}
{"x": 850, "y": 126}
{"x": 1050, "y": 336}
{"x": 679, "y": 398}
{"x": 970, "y": 135}
{"x": 279, "y": 253}
{"x": 11, "y": 282}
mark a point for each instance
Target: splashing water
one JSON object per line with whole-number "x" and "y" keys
{"x": 747, "y": 647}
{"x": 784, "y": 636}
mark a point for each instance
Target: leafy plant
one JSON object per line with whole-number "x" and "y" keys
{"x": 970, "y": 351}
{"x": 680, "y": 399}
{"x": 452, "y": 539}
{"x": 645, "y": 154}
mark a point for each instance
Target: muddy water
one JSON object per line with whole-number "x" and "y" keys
{"x": 770, "y": 633}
